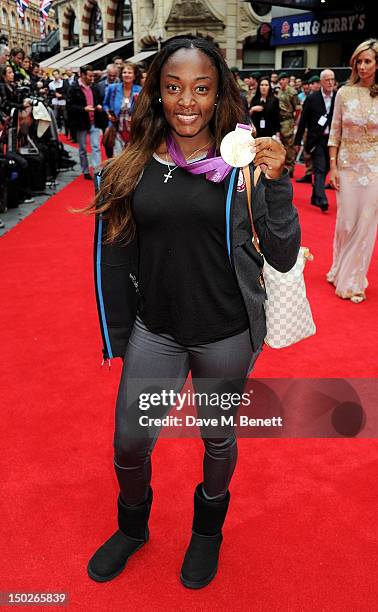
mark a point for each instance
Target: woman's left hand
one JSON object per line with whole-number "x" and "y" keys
{"x": 270, "y": 156}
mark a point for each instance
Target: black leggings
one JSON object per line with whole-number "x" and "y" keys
{"x": 161, "y": 358}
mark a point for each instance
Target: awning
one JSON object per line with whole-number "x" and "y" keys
{"x": 77, "y": 59}
{"x": 55, "y": 58}
{"x": 140, "y": 57}
{"x": 107, "y": 49}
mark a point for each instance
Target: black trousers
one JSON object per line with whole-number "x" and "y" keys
{"x": 22, "y": 188}
{"x": 320, "y": 165}
{"x": 161, "y": 358}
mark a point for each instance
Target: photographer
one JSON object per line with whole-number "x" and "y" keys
{"x": 36, "y": 82}
{"x": 58, "y": 94}
{"x": 17, "y": 56}
{"x": 8, "y": 91}
{"x": 10, "y": 98}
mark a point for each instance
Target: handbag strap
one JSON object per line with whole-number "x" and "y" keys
{"x": 114, "y": 92}
{"x": 247, "y": 178}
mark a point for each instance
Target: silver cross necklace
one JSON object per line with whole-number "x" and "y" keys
{"x": 170, "y": 170}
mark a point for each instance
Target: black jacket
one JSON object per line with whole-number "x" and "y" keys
{"x": 276, "y": 224}
{"x": 313, "y": 109}
{"x": 76, "y": 103}
{"x": 271, "y": 114}
{"x": 8, "y": 98}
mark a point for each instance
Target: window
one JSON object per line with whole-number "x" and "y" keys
{"x": 124, "y": 20}
{"x": 294, "y": 59}
{"x": 73, "y": 31}
{"x": 260, "y": 8}
{"x": 27, "y": 24}
{"x": 13, "y": 19}
{"x": 4, "y": 17}
{"x": 95, "y": 25}
{"x": 256, "y": 58}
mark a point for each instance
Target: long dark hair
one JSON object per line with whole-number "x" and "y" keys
{"x": 149, "y": 128}
{"x": 257, "y": 97}
{"x": 3, "y": 71}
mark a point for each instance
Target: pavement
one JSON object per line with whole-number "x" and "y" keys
{"x": 16, "y": 215}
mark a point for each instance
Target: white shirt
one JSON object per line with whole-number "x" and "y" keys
{"x": 327, "y": 101}
{"x": 57, "y": 85}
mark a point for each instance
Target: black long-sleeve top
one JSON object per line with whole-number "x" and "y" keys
{"x": 270, "y": 114}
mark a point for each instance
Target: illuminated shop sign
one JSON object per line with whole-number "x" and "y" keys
{"x": 308, "y": 27}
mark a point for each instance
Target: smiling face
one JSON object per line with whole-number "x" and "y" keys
{"x": 87, "y": 77}
{"x": 366, "y": 64}
{"x": 128, "y": 75}
{"x": 188, "y": 86}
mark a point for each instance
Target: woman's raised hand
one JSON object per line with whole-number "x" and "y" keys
{"x": 270, "y": 156}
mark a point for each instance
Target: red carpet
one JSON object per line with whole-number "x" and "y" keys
{"x": 67, "y": 141}
{"x": 301, "y": 533}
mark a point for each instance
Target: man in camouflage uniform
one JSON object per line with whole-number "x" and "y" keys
{"x": 307, "y": 177}
{"x": 289, "y": 108}
{"x": 241, "y": 84}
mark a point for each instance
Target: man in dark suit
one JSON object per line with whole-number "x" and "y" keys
{"x": 317, "y": 117}
{"x": 86, "y": 117}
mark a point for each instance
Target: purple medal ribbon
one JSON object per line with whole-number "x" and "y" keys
{"x": 216, "y": 168}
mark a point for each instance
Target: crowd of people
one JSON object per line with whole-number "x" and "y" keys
{"x": 296, "y": 110}
{"x": 196, "y": 300}
{"x": 335, "y": 127}
{"x": 87, "y": 102}
{"x": 30, "y": 152}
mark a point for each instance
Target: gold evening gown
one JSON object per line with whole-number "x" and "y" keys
{"x": 354, "y": 130}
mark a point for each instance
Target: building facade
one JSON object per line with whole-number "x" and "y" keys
{"x": 320, "y": 39}
{"x": 22, "y": 34}
{"x": 232, "y": 24}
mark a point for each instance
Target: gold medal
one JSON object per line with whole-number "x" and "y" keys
{"x": 237, "y": 148}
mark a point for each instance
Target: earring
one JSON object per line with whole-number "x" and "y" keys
{"x": 159, "y": 100}
{"x": 215, "y": 104}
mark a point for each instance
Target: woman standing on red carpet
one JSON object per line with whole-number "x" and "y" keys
{"x": 119, "y": 103}
{"x": 353, "y": 150}
{"x": 178, "y": 283}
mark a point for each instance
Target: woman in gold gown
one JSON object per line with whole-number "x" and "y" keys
{"x": 353, "y": 148}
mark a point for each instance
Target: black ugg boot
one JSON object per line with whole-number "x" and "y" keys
{"x": 201, "y": 559}
{"x": 110, "y": 559}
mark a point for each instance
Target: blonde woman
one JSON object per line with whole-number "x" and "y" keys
{"x": 353, "y": 148}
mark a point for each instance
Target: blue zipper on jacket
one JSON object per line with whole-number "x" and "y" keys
{"x": 99, "y": 285}
{"x": 228, "y": 210}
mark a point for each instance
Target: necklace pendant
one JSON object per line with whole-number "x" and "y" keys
{"x": 168, "y": 176}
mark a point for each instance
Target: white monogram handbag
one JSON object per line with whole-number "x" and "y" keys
{"x": 287, "y": 310}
